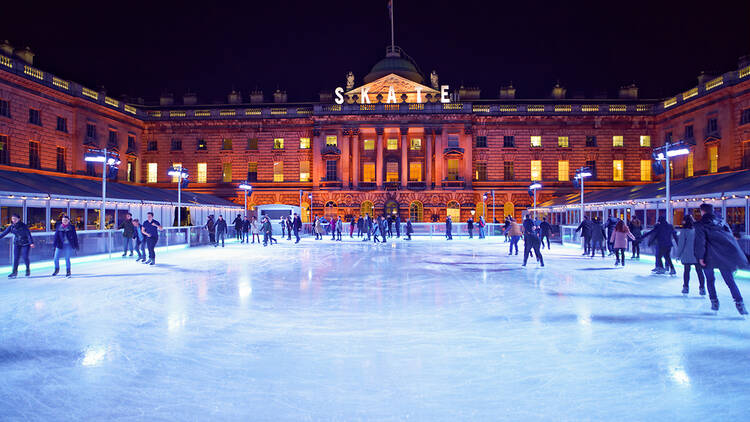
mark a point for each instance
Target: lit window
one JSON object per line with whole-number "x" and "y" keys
{"x": 646, "y": 170}
{"x": 416, "y": 211}
{"x": 536, "y": 170}
{"x": 202, "y": 172}
{"x": 713, "y": 158}
{"x": 453, "y": 210}
{"x": 152, "y": 172}
{"x": 563, "y": 173}
{"x": 536, "y": 141}
{"x": 391, "y": 171}
{"x": 645, "y": 141}
{"x": 304, "y": 171}
{"x": 392, "y": 144}
{"x": 278, "y": 171}
{"x": 617, "y": 141}
{"x": 304, "y": 143}
{"x": 415, "y": 171}
{"x": 252, "y": 144}
{"x": 368, "y": 172}
{"x": 480, "y": 171}
{"x": 176, "y": 178}
{"x": 226, "y": 172}
{"x": 367, "y": 208}
{"x": 689, "y": 165}
{"x": 331, "y": 140}
{"x": 415, "y": 144}
{"x": 252, "y": 171}
{"x": 562, "y": 141}
{"x": 452, "y": 169}
{"x": 617, "y": 175}
{"x": 278, "y": 143}
{"x": 226, "y": 144}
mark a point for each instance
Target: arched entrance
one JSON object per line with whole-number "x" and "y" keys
{"x": 367, "y": 208}
{"x": 509, "y": 209}
{"x": 391, "y": 207}
{"x": 453, "y": 210}
{"x": 331, "y": 210}
{"x": 480, "y": 211}
{"x": 305, "y": 212}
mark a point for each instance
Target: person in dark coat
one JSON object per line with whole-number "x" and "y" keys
{"x": 221, "y": 230}
{"x": 389, "y": 221}
{"x": 375, "y": 229}
{"x": 409, "y": 229}
{"x": 637, "y": 229}
{"x": 211, "y": 227}
{"x": 288, "y": 221}
{"x": 267, "y": 232}
{"x": 65, "y": 242}
{"x": 360, "y": 226}
{"x": 140, "y": 241}
{"x": 611, "y": 223}
{"x": 716, "y": 248}
{"x": 470, "y": 227}
{"x": 151, "y": 229}
{"x": 128, "y": 234}
{"x": 384, "y": 228}
{"x": 596, "y": 236}
{"x": 585, "y": 229}
{"x": 352, "y": 224}
{"x": 397, "y": 222}
{"x": 448, "y": 228}
{"x": 296, "y": 226}
{"x": 22, "y": 241}
{"x": 366, "y": 227}
{"x": 245, "y": 230}
{"x": 663, "y": 234}
{"x": 238, "y": 227}
{"x": 282, "y": 223}
{"x": 531, "y": 241}
{"x": 545, "y": 231}
{"x": 686, "y": 254}
{"x": 506, "y": 228}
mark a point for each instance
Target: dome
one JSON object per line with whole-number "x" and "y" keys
{"x": 395, "y": 62}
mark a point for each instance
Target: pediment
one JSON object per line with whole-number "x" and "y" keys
{"x": 400, "y": 86}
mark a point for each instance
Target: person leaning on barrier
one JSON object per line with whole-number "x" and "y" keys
{"x": 22, "y": 241}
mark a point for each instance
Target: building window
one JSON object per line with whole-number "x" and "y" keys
{"x": 481, "y": 142}
{"x": 226, "y": 172}
{"x": 176, "y": 145}
{"x": 562, "y": 142}
{"x": 35, "y": 117}
{"x": 367, "y": 208}
{"x": 252, "y": 144}
{"x": 392, "y": 144}
{"x": 689, "y": 132}
{"x": 713, "y": 158}
{"x": 278, "y": 171}
{"x": 130, "y": 177}
{"x": 62, "y": 124}
{"x": 480, "y": 172}
{"x": 369, "y": 144}
{"x": 112, "y": 141}
{"x": 4, "y": 108}
{"x": 61, "y": 160}
{"x": 226, "y": 144}
{"x": 536, "y": 170}
{"x": 617, "y": 141}
{"x": 201, "y": 145}
{"x": 304, "y": 171}
{"x": 591, "y": 141}
{"x": 453, "y": 210}
{"x": 617, "y": 175}
{"x": 304, "y": 143}
{"x": 416, "y": 212}
{"x": 452, "y": 169}
{"x": 746, "y": 155}
{"x": 645, "y": 170}
{"x": 90, "y": 168}
{"x": 152, "y": 172}
{"x": 645, "y": 141}
{"x": 391, "y": 171}
{"x": 90, "y": 132}
{"x": 176, "y": 178}
{"x": 252, "y": 172}
{"x": 368, "y": 172}
{"x": 508, "y": 173}
{"x": 415, "y": 144}
{"x": 452, "y": 141}
{"x": 509, "y": 141}
{"x": 415, "y": 171}
{"x": 712, "y": 126}
{"x": 34, "y": 161}
{"x": 592, "y": 165}
{"x": 744, "y": 118}
{"x": 131, "y": 143}
{"x": 668, "y": 137}
{"x": 331, "y": 141}
{"x": 152, "y": 146}
{"x": 278, "y": 143}
{"x": 331, "y": 173}
{"x": 202, "y": 172}
{"x": 536, "y": 141}
{"x": 4, "y": 152}
{"x": 563, "y": 171}
{"x": 689, "y": 165}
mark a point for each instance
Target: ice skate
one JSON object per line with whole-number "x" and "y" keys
{"x": 741, "y": 308}
{"x": 714, "y": 304}
{"x": 685, "y": 290}
{"x": 57, "y": 270}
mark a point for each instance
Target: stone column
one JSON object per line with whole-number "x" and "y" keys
{"x": 404, "y": 160}
{"x": 317, "y": 165}
{"x": 379, "y": 160}
{"x": 439, "y": 161}
{"x": 429, "y": 135}
{"x": 343, "y": 144}
{"x": 354, "y": 137}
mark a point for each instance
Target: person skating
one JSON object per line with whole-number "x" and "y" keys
{"x": 255, "y": 229}
{"x": 585, "y": 229}
{"x": 238, "y": 227}
{"x": 221, "y": 231}
{"x": 66, "y": 240}
{"x": 332, "y": 227}
{"x": 352, "y": 224}
{"x": 140, "y": 241}
{"x": 515, "y": 231}
{"x": 360, "y": 226}
{"x": 686, "y": 254}
{"x": 283, "y": 227}
{"x": 245, "y": 236}
{"x": 409, "y": 229}
{"x": 506, "y": 228}
{"x": 128, "y": 233}
{"x": 211, "y": 227}
{"x": 268, "y": 232}
{"x": 716, "y": 248}
{"x": 389, "y": 223}
{"x": 531, "y": 241}
{"x": 663, "y": 234}
{"x": 288, "y": 222}
{"x": 366, "y": 227}
{"x": 151, "y": 229}
{"x": 470, "y": 227}
{"x": 481, "y": 225}
{"x": 22, "y": 241}
{"x": 339, "y": 228}
{"x": 597, "y": 237}
{"x": 619, "y": 241}
{"x": 610, "y": 226}
{"x": 376, "y": 230}
{"x": 545, "y": 231}
{"x": 448, "y": 228}
{"x": 296, "y": 226}
{"x": 397, "y": 223}
{"x": 383, "y": 229}
{"x": 637, "y": 229}
{"x": 319, "y": 230}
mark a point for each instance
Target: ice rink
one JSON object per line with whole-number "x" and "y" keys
{"x": 346, "y": 331}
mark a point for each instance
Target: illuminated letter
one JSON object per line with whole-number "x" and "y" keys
{"x": 444, "y": 94}
{"x": 339, "y": 97}
{"x": 419, "y": 94}
{"x": 391, "y": 94}
{"x": 365, "y": 97}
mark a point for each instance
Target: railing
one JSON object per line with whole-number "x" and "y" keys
{"x": 422, "y": 229}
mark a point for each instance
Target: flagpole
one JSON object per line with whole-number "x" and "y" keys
{"x": 392, "y": 46}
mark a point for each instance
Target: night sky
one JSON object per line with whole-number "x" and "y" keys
{"x": 144, "y": 49}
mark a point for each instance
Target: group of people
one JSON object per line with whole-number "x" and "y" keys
{"x": 247, "y": 229}
{"x": 533, "y": 232}
{"x": 378, "y": 229}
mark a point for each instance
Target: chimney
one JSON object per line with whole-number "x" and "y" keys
{"x": 256, "y": 96}
{"x": 26, "y": 55}
{"x": 704, "y": 77}
{"x": 234, "y": 97}
{"x": 629, "y": 92}
{"x": 189, "y": 98}
{"x": 279, "y": 96}
{"x": 166, "y": 99}
{"x": 558, "y": 92}
{"x": 467, "y": 94}
{"x": 6, "y": 48}
{"x": 326, "y": 96}
{"x": 507, "y": 92}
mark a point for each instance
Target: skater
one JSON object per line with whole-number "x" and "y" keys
{"x": 610, "y": 225}
{"x": 389, "y": 221}
{"x": 332, "y": 227}
{"x": 65, "y": 242}
{"x": 151, "y": 229}
{"x": 383, "y": 229}
{"x": 619, "y": 241}
{"x": 481, "y": 225}
{"x": 288, "y": 221}
{"x": 506, "y": 228}
{"x": 245, "y": 236}
{"x": 140, "y": 241}
{"x": 360, "y": 226}
{"x": 448, "y": 228}
{"x": 375, "y": 230}
{"x": 352, "y": 224}
{"x": 367, "y": 227}
{"x": 597, "y": 237}
{"x": 409, "y": 229}
{"x": 397, "y": 223}
{"x": 339, "y": 228}
{"x": 22, "y": 241}
{"x": 238, "y": 227}
{"x": 282, "y": 223}
{"x": 637, "y": 229}
{"x": 585, "y": 229}
{"x": 319, "y": 230}
{"x": 221, "y": 231}
{"x": 662, "y": 234}
{"x": 255, "y": 229}
{"x": 470, "y": 227}
{"x": 686, "y": 254}
{"x": 716, "y": 248}
{"x": 514, "y": 232}
{"x": 268, "y": 232}
{"x": 296, "y": 226}
{"x": 531, "y": 241}
{"x": 545, "y": 231}
{"x": 211, "y": 227}
{"x": 128, "y": 233}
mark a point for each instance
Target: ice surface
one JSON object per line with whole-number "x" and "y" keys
{"x": 429, "y": 330}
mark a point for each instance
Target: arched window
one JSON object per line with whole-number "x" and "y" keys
{"x": 330, "y": 210}
{"x": 509, "y": 209}
{"x": 367, "y": 208}
{"x": 480, "y": 211}
{"x": 453, "y": 211}
{"x": 391, "y": 208}
{"x": 305, "y": 212}
{"x": 416, "y": 212}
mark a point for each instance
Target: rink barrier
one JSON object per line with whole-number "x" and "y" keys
{"x": 423, "y": 229}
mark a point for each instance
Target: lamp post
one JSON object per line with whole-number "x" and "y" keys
{"x": 182, "y": 175}
{"x": 112, "y": 159}
{"x": 663, "y": 153}
{"x": 581, "y": 174}
{"x": 311, "y": 207}
{"x": 247, "y": 187}
{"x": 534, "y": 187}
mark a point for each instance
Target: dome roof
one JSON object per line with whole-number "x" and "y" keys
{"x": 395, "y": 62}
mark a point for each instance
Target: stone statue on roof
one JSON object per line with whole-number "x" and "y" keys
{"x": 434, "y": 80}
{"x": 349, "y": 81}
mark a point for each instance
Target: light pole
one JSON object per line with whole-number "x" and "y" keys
{"x": 581, "y": 174}
{"x": 534, "y": 187}
{"x": 663, "y": 153}
{"x": 484, "y": 207}
{"x": 182, "y": 176}
{"x": 311, "y": 208}
{"x": 247, "y": 187}
{"x": 111, "y": 159}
